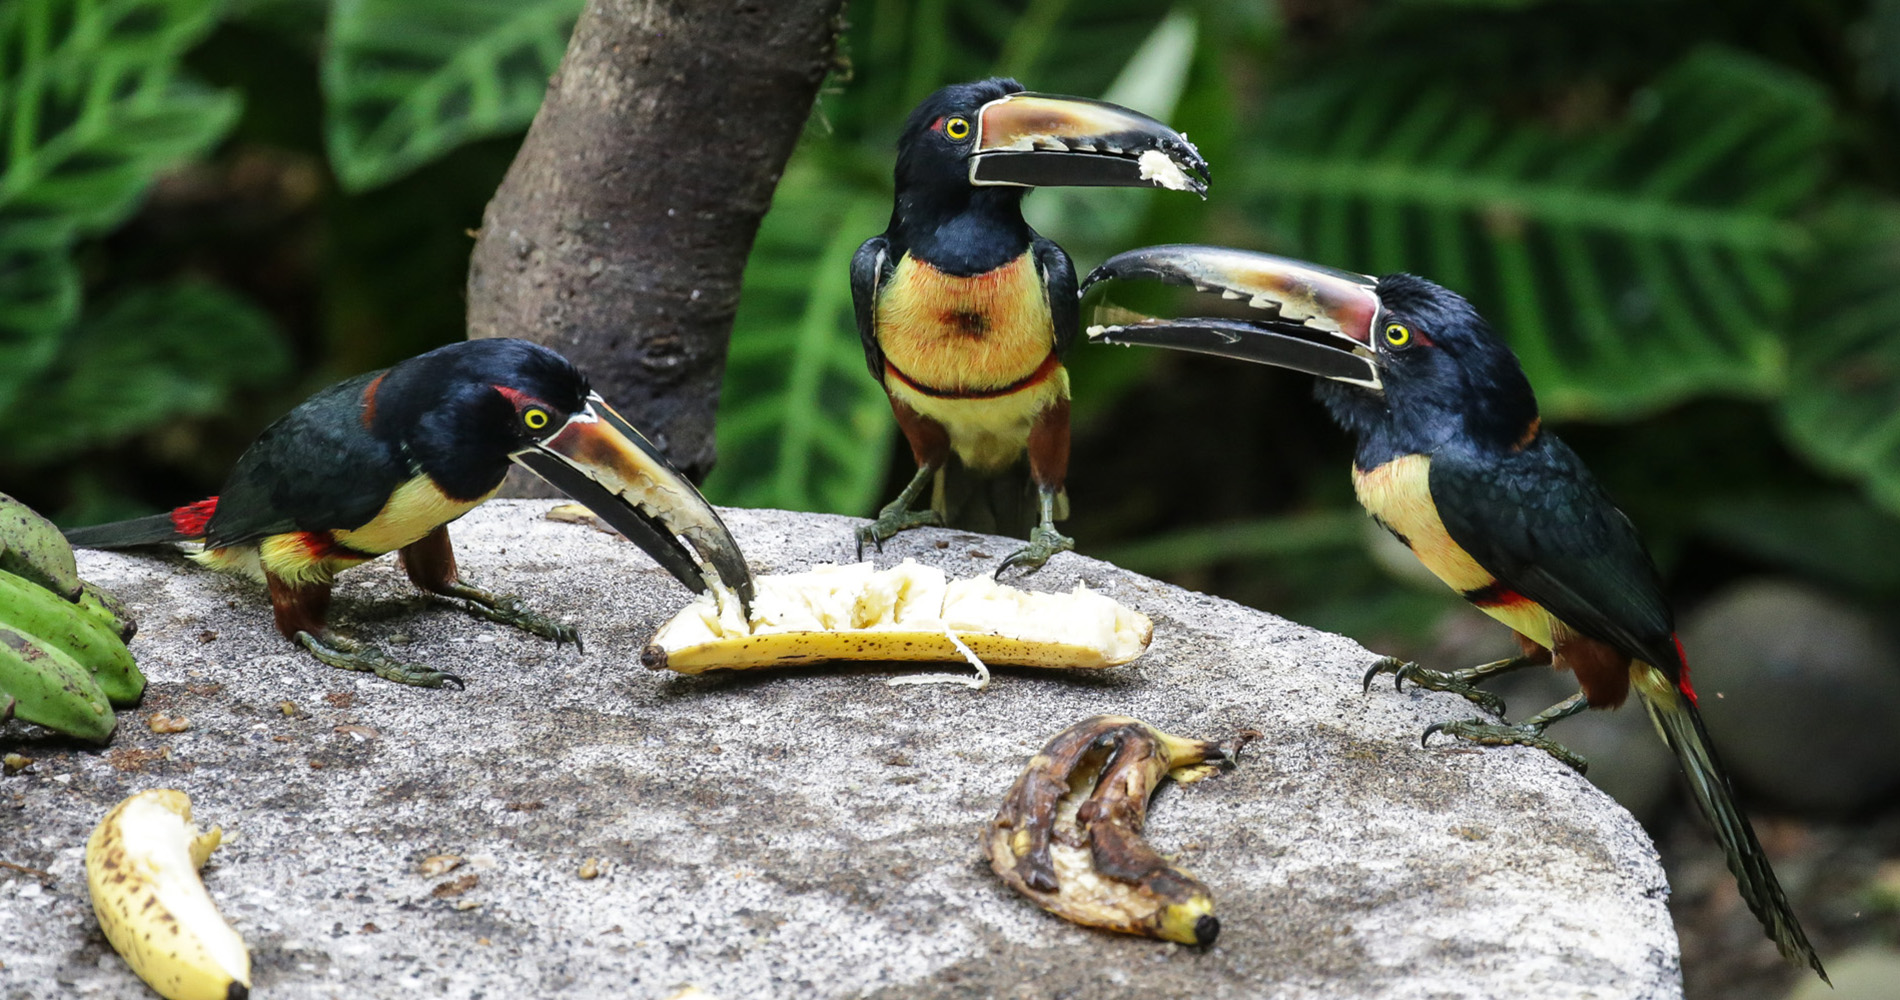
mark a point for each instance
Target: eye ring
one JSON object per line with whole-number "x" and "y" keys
{"x": 1397, "y": 334}
{"x": 957, "y": 128}
{"x": 535, "y": 418}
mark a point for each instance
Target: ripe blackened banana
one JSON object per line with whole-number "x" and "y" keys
{"x": 50, "y": 688}
{"x": 1069, "y": 833}
{"x": 142, "y": 869}
{"x": 75, "y": 630}
{"x": 31, "y": 547}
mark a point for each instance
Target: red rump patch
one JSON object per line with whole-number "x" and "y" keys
{"x": 1682, "y": 679}
{"x": 369, "y": 400}
{"x": 190, "y": 520}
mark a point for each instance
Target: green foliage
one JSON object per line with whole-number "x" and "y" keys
{"x": 154, "y": 355}
{"x": 408, "y": 80}
{"x": 92, "y": 106}
{"x": 1843, "y": 402}
{"x": 1630, "y": 267}
{"x": 803, "y": 426}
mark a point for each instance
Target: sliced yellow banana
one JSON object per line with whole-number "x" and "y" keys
{"x": 142, "y": 869}
{"x": 908, "y": 612}
{"x": 1069, "y": 833}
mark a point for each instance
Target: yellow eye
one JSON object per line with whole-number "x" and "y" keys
{"x": 957, "y": 128}
{"x": 1397, "y": 335}
{"x": 535, "y": 419}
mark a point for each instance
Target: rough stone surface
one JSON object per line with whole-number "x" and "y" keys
{"x": 803, "y": 833}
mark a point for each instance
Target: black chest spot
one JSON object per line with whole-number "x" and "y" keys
{"x": 966, "y": 323}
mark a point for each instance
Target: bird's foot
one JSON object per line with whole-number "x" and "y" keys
{"x": 893, "y": 519}
{"x": 1458, "y": 682}
{"x": 348, "y": 654}
{"x": 506, "y": 609}
{"x": 1044, "y": 541}
{"x": 1492, "y": 734}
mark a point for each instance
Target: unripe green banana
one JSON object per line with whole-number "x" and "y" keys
{"x": 108, "y": 611}
{"x": 52, "y": 689}
{"x": 33, "y": 548}
{"x": 142, "y": 866}
{"x": 74, "y": 631}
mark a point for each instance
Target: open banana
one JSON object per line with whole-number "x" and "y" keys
{"x": 1069, "y": 833}
{"x": 142, "y": 869}
{"x": 908, "y": 613}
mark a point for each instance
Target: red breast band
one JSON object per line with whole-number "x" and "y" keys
{"x": 1043, "y": 371}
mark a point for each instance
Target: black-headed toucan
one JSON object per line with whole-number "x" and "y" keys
{"x": 965, "y": 312}
{"x": 1453, "y": 460}
{"x": 384, "y": 461}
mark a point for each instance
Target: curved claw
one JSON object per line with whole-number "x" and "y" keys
{"x": 448, "y": 679}
{"x": 1425, "y": 737}
{"x": 1380, "y": 666}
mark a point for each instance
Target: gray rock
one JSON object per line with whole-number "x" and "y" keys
{"x": 806, "y": 833}
{"x": 1800, "y": 692}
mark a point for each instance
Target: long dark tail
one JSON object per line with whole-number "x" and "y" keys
{"x": 185, "y": 524}
{"x": 1676, "y": 717}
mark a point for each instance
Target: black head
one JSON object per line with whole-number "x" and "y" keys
{"x": 1446, "y": 377}
{"x": 464, "y": 410}
{"x": 939, "y": 137}
{"x": 933, "y": 164}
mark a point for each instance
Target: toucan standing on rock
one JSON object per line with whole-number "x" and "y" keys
{"x": 1453, "y": 461}
{"x": 965, "y": 312}
{"x": 384, "y": 461}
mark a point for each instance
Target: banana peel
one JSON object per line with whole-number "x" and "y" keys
{"x": 908, "y": 612}
{"x": 142, "y": 866}
{"x": 1069, "y": 833}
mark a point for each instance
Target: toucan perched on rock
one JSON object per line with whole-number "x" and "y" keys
{"x": 1453, "y": 461}
{"x": 965, "y": 312}
{"x": 384, "y": 461}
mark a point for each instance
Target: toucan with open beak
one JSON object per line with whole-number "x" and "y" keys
{"x": 1454, "y": 461}
{"x": 384, "y": 461}
{"x": 965, "y": 312}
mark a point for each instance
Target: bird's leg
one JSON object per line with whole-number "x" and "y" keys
{"x": 1459, "y": 682}
{"x": 347, "y": 654}
{"x": 1529, "y": 733}
{"x": 930, "y": 446}
{"x": 1048, "y": 467}
{"x": 301, "y": 609}
{"x": 897, "y": 516}
{"x": 430, "y": 564}
{"x": 1044, "y": 539}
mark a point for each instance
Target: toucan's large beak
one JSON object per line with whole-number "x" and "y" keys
{"x": 604, "y": 463}
{"x": 1252, "y": 306}
{"x": 1041, "y": 140}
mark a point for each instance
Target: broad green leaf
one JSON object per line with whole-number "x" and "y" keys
{"x": 155, "y": 355}
{"x": 803, "y": 425}
{"x": 407, "y": 80}
{"x": 92, "y": 107}
{"x": 1629, "y": 268}
{"x": 1842, "y": 406}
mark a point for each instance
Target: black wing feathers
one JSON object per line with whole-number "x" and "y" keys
{"x": 871, "y": 266}
{"x": 1538, "y": 521}
{"x": 1058, "y": 275}
{"x": 315, "y": 469}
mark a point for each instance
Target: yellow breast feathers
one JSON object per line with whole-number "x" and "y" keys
{"x": 956, "y": 334}
{"x": 1399, "y": 495}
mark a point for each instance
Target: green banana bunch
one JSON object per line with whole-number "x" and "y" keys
{"x": 63, "y": 661}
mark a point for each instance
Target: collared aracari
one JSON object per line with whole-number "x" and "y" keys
{"x": 384, "y": 461}
{"x": 965, "y": 312}
{"x": 1453, "y": 460}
